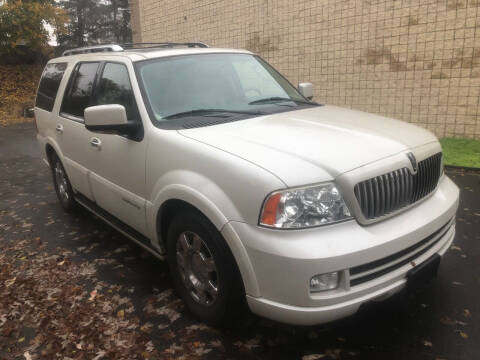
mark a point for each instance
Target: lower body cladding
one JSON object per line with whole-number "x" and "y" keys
{"x": 362, "y": 263}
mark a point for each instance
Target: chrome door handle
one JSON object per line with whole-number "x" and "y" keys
{"x": 59, "y": 128}
{"x": 95, "y": 142}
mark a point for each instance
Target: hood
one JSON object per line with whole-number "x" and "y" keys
{"x": 315, "y": 144}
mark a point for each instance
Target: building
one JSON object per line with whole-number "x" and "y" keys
{"x": 415, "y": 60}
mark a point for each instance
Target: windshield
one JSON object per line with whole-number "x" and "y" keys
{"x": 209, "y": 84}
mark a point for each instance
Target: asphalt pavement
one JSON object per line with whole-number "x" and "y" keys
{"x": 441, "y": 321}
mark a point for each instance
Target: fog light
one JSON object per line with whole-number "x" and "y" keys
{"x": 324, "y": 282}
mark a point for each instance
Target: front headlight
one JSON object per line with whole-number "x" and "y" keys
{"x": 304, "y": 207}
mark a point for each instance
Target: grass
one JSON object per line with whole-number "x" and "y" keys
{"x": 461, "y": 152}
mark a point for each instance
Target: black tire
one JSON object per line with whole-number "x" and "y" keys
{"x": 63, "y": 188}
{"x": 230, "y": 298}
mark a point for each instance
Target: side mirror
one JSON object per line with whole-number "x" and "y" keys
{"x": 109, "y": 119}
{"x": 306, "y": 89}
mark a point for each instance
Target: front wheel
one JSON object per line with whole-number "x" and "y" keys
{"x": 62, "y": 184}
{"x": 203, "y": 269}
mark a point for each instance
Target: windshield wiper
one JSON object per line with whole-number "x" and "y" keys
{"x": 205, "y": 112}
{"x": 279, "y": 99}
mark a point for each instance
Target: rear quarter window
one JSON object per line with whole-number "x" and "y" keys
{"x": 50, "y": 81}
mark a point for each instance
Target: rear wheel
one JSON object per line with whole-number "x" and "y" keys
{"x": 62, "y": 184}
{"x": 203, "y": 269}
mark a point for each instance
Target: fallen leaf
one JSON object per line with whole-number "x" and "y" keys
{"x": 447, "y": 321}
{"x": 334, "y": 354}
{"x": 456, "y": 248}
{"x": 27, "y": 355}
{"x": 100, "y": 355}
{"x": 92, "y": 295}
{"x": 463, "y": 334}
{"x": 216, "y": 343}
{"x": 313, "y": 357}
{"x": 174, "y": 348}
{"x": 10, "y": 282}
{"x": 121, "y": 313}
{"x": 467, "y": 313}
{"x": 201, "y": 351}
{"x": 61, "y": 263}
{"x": 427, "y": 343}
{"x": 22, "y": 339}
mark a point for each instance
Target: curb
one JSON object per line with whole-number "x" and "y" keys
{"x": 456, "y": 167}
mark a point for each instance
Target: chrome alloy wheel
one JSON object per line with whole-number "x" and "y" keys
{"x": 62, "y": 182}
{"x": 197, "y": 268}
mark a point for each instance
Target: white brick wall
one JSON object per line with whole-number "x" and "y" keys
{"x": 416, "y": 60}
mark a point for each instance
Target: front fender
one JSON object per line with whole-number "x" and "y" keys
{"x": 219, "y": 218}
{"x": 184, "y": 185}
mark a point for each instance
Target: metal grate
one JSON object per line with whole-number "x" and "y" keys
{"x": 390, "y": 192}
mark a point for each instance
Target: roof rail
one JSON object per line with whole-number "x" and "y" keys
{"x": 131, "y": 46}
{"x": 93, "y": 49}
{"x": 147, "y": 45}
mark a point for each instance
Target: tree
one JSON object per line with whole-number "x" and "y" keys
{"x": 121, "y": 28}
{"x": 22, "y": 27}
{"x": 81, "y": 14}
{"x": 96, "y": 22}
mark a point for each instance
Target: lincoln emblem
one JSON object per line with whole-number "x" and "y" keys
{"x": 412, "y": 159}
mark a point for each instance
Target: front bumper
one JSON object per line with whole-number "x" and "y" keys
{"x": 277, "y": 265}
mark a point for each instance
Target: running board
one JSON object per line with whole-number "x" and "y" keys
{"x": 118, "y": 225}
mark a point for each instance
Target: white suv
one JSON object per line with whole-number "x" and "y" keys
{"x": 211, "y": 159}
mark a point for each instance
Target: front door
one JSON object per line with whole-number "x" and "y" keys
{"x": 70, "y": 126}
{"x": 116, "y": 162}
{"x": 108, "y": 169}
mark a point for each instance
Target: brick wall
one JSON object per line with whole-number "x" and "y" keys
{"x": 416, "y": 60}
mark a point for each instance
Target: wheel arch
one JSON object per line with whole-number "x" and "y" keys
{"x": 51, "y": 147}
{"x": 49, "y": 151}
{"x": 167, "y": 212}
{"x": 170, "y": 207}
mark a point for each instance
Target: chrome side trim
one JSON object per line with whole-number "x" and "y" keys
{"x": 132, "y": 238}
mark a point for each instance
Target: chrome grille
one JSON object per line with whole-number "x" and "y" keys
{"x": 392, "y": 191}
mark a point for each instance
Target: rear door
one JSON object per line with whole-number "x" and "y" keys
{"x": 45, "y": 102}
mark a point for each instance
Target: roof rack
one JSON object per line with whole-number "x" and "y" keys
{"x": 148, "y": 45}
{"x": 93, "y": 49}
{"x": 131, "y": 46}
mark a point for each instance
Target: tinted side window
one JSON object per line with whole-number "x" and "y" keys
{"x": 114, "y": 88}
{"x": 80, "y": 90}
{"x": 47, "y": 90}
